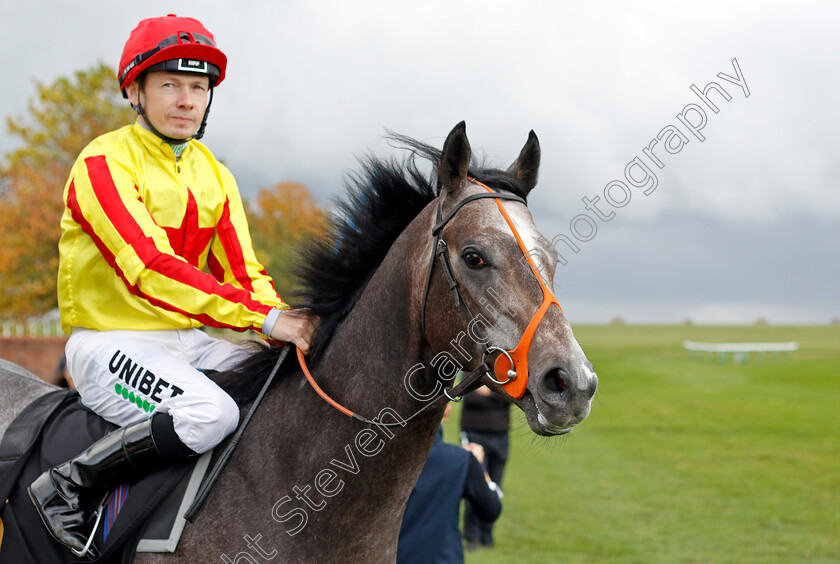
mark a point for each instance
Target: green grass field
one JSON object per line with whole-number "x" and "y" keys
{"x": 683, "y": 459}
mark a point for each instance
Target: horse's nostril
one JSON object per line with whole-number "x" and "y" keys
{"x": 554, "y": 381}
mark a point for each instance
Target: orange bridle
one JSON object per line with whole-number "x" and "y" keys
{"x": 517, "y": 375}
{"x": 511, "y": 366}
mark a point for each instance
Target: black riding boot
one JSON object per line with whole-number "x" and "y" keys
{"x": 63, "y": 494}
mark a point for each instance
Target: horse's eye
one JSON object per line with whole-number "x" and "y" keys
{"x": 473, "y": 259}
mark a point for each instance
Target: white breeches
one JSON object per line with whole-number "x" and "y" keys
{"x": 125, "y": 376}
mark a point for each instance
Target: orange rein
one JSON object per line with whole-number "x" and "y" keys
{"x": 318, "y": 389}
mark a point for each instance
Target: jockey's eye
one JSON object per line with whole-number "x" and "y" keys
{"x": 473, "y": 259}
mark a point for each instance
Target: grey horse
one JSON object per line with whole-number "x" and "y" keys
{"x": 308, "y": 483}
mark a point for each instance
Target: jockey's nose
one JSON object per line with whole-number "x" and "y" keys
{"x": 186, "y": 98}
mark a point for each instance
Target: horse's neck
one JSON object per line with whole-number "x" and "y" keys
{"x": 347, "y": 476}
{"x": 380, "y": 341}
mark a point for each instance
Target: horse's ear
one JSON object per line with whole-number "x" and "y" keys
{"x": 454, "y": 160}
{"x": 527, "y": 165}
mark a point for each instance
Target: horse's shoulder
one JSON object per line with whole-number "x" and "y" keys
{"x": 19, "y": 387}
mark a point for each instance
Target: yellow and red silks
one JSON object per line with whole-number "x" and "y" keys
{"x": 151, "y": 242}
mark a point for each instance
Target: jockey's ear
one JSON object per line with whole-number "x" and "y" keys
{"x": 527, "y": 164}
{"x": 132, "y": 92}
{"x": 454, "y": 161}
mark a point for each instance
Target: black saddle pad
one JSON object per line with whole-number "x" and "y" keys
{"x": 51, "y": 430}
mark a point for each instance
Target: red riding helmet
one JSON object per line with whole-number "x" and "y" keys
{"x": 174, "y": 44}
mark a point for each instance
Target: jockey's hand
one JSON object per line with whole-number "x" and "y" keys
{"x": 296, "y": 326}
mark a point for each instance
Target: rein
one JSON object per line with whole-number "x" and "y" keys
{"x": 450, "y": 394}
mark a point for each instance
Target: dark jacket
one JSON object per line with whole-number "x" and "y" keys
{"x": 429, "y": 532}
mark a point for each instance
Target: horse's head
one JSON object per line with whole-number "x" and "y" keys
{"x": 504, "y": 270}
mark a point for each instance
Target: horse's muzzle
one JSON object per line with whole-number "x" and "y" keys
{"x": 564, "y": 395}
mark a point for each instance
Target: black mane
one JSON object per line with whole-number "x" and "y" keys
{"x": 381, "y": 200}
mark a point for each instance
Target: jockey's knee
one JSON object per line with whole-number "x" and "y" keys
{"x": 203, "y": 424}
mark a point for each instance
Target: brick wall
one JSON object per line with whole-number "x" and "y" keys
{"x": 38, "y": 355}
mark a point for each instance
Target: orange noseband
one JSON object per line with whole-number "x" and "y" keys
{"x": 515, "y": 382}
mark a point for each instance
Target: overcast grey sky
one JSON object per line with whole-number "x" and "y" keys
{"x": 745, "y": 223}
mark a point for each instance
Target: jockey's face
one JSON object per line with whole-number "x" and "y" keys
{"x": 174, "y": 102}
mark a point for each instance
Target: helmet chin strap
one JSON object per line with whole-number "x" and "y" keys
{"x": 172, "y": 140}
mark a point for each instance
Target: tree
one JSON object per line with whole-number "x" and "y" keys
{"x": 64, "y": 116}
{"x": 280, "y": 220}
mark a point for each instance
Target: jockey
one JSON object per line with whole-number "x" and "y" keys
{"x": 147, "y": 208}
